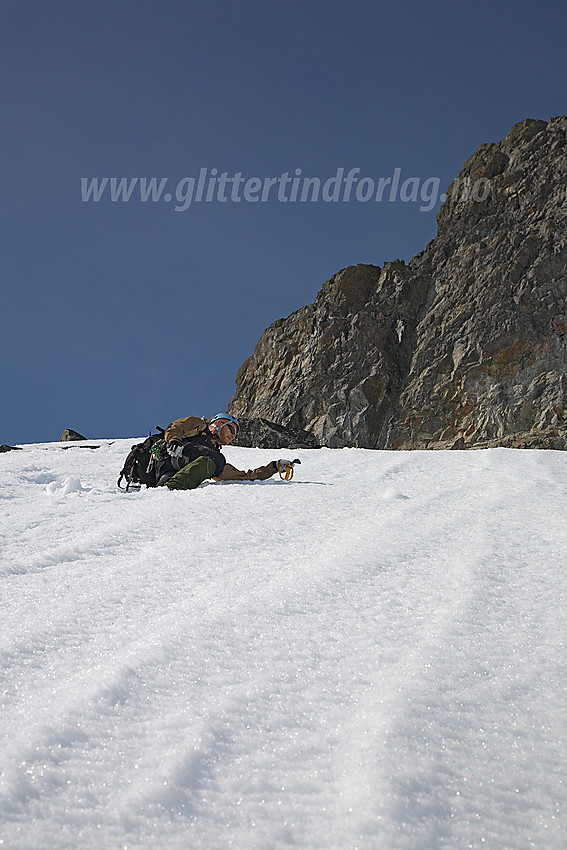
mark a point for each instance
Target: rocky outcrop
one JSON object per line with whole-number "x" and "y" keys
{"x": 69, "y": 436}
{"x": 466, "y": 344}
{"x": 264, "y": 434}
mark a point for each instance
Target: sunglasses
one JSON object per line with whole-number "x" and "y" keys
{"x": 231, "y": 426}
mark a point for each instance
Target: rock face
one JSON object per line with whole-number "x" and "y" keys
{"x": 466, "y": 344}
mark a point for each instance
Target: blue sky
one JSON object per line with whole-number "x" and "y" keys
{"x": 117, "y": 316}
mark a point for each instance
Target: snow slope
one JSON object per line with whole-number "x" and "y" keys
{"x": 370, "y": 656}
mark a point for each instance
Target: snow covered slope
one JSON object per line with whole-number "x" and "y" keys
{"x": 371, "y": 656}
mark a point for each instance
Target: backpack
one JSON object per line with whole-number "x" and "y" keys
{"x": 140, "y": 465}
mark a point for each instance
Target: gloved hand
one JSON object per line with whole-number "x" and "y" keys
{"x": 285, "y": 467}
{"x": 174, "y": 448}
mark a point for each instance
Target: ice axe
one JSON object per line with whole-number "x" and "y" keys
{"x": 285, "y": 468}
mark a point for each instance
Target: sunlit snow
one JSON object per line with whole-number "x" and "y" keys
{"x": 369, "y": 656}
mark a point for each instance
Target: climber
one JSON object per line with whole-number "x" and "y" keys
{"x": 193, "y": 454}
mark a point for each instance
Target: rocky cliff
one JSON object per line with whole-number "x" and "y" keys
{"x": 464, "y": 345}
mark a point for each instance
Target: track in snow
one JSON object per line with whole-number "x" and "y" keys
{"x": 371, "y": 656}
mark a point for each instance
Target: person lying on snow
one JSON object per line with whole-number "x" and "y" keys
{"x": 193, "y": 447}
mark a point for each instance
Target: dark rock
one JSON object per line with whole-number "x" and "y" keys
{"x": 466, "y": 344}
{"x": 82, "y": 446}
{"x": 260, "y": 433}
{"x": 5, "y": 448}
{"x": 70, "y": 435}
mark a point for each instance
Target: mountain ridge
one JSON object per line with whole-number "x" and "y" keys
{"x": 463, "y": 345}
